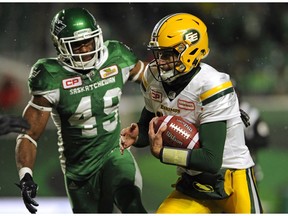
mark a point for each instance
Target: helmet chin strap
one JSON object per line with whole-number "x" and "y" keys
{"x": 166, "y": 75}
{"x": 174, "y": 74}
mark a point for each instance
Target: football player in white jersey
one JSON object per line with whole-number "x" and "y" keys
{"x": 218, "y": 177}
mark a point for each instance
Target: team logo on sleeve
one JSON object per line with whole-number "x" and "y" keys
{"x": 109, "y": 71}
{"x": 156, "y": 96}
{"x": 72, "y": 82}
{"x": 34, "y": 73}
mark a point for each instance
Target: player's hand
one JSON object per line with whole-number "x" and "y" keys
{"x": 129, "y": 136}
{"x": 28, "y": 191}
{"x": 245, "y": 118}
{"x": 156, "y": 141}
{"x": 12, "y": 124}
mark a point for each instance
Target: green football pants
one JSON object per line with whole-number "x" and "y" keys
{"x": 118, "y": 183}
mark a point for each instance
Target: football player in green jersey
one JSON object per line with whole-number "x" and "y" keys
{"x": 219, "y": 176}
{"x": 81, "y": 90}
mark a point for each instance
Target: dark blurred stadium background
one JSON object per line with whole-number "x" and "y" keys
{"x": 247, "y": 40}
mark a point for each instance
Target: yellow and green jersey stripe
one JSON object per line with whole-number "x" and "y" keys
{"x": 216, "y": 92}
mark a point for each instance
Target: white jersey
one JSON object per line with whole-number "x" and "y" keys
{"x": 208, "y": 97}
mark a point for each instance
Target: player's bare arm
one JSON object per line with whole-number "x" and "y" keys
{"x": 37, "y": 114}
{"x": 26, "y": 148}
{"x": 129, "y": 135}
{"x": 136, "y": 73}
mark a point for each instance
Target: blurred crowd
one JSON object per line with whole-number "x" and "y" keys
{"x": 247, "y": 40}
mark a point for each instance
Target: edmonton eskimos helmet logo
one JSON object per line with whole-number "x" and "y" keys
{"x": 192, "y": 35}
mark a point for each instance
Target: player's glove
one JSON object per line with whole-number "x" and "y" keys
{"x": 12, "y": 124}
{"x": 245, "y": 118}
{"x": 28, "y": 191}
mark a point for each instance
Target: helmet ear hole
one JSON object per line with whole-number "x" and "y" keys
{"x": 193, "y": 51}
{"x": 195, "y": 62}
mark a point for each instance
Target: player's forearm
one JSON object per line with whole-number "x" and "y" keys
{"x": 25, "y": 154}
{"x": 136, "y": 73}
{"x": 143, "y": 124}
{"x": 209, "y": 157}
{"x": 143, "y": 139}
{"x": 26, "y": 143}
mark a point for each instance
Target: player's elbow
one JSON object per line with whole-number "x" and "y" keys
{"x": 213, "y": 168}
{"x": 209, "y": 165}
{"x": 215, "y": 165}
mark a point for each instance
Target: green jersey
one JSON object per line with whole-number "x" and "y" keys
{"x": 85, "y": 107}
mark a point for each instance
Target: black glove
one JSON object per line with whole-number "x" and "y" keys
{"x": 245, "y": 118}
{"x": 28, "y": 191}
{"x": 12, "y": 124}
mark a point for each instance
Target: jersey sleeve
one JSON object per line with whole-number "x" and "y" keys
{"x": 146, "y": 80}
{"x": 41, "y": 79}
{"x": 219, "y": 99}
{"x": 123, "y": 55}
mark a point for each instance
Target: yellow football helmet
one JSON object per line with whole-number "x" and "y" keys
{"x": 186, "y": 35}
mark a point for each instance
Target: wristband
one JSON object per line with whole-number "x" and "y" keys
{"x": 23, "y": 171}
{"x": 175, "y": 156}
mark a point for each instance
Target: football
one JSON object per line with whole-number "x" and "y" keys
{"x": 179, "y": 133}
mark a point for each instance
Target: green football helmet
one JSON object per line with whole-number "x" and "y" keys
{"x": 74, "y": 25}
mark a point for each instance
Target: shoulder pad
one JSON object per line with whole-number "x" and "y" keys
{"x": 44, "y": 75}
{"x": 214, "y": 84}
{"x": 120, "y": 53}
